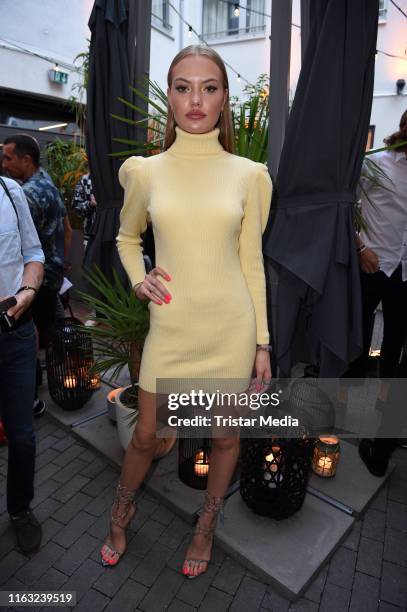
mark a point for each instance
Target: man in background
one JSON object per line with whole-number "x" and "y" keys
{"x": 21, "y": 273}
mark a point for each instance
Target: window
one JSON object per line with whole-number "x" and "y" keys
{"x": 382, "y": 10}
{"x": 219, "y": 19}
{"x": 161, "y": 14}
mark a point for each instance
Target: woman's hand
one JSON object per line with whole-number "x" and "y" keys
{"x": 152, "y": 288}
{"x": 369, "y": 261}
{"x": 263, "y": 370}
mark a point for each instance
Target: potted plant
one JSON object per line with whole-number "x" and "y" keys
{"x": 122, "y": 323}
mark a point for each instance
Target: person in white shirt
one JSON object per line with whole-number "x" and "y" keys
{"x": 383, "y": 260}
{"x": 383, "y": 255}
{"x": 21, "y": 275}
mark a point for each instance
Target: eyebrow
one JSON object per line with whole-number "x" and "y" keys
{"x": 186, "y": 80}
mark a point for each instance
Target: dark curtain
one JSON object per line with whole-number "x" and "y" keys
{"x": 119, "y": 57}
{"x": 310, "y": 238}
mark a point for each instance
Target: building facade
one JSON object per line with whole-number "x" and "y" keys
{"x": 39, "y": 41}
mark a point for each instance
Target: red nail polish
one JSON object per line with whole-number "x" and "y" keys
{"x": 167, "y": 298}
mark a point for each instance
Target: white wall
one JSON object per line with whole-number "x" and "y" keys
{"x": 53, "y": 28}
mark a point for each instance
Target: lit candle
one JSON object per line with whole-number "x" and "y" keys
{"x": 326, "y": 456}
{"x": 271, "y": 464}
{"x": 95, "y": 382}
{"x": 201, "y": 464}
{"x": 70, "y": 382}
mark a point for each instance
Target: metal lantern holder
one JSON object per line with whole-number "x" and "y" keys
{"x": 193, "y": 461}
{"x": 69, "y": 358}
{"x": 274, "y": 474}
{"x": 326, "y": 456}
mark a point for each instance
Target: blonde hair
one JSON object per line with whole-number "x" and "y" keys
{"x": 226, "y": 135}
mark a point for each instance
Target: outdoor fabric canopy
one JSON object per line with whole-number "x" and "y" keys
{"x": 311, "y": 237}
{"x": 115, "y": 63}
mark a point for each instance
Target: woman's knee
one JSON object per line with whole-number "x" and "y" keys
{"x": 143, "y": 441}
{"x": 225, "y": 444}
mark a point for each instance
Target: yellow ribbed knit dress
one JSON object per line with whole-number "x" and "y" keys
{"x": 208, "y": 210}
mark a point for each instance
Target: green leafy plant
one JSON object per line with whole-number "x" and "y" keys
{"x": 122, "y": 325}
{"x": 67, "y": 161}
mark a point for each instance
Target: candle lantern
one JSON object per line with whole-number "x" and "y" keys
{"x": 274, "y": 474}
{"x": 69, "y": 360}
{"x": 193, "y": 461}
{"x": 326, "y": 456}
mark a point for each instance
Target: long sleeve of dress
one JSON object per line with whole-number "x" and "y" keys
{"x": 133, "y": 219}
{"x": 256, "y": 211}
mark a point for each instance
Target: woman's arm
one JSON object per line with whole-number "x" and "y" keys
{"x": 133, "y": 219}
{"x": 256, "y": 211}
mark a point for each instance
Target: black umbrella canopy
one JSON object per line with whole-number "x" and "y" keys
{"x": 311, "y": 235}
{"x": 119, "y": 57}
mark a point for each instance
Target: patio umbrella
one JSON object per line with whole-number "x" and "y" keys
{"x": 119, "y": 57}
{"x": 310, "y": 237}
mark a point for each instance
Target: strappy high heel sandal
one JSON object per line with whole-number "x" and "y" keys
{"x": 212, "y": 504}
{"x": 124, "y": 501}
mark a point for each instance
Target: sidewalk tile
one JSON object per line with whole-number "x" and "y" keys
{"x": 111, "y": 581}
{"x": 394, "y": 584}
{"x": 365, "y": 593}
{"x": 77, "y": 554}
{"x": 83, "y": 578}
{"x": 249, "y": 595}
{"x": 215, "y": 601}
{"x": 396, "y": 516}
{"x": 68, "y": 490}
{"x": 316, "y": 588}
{"x": 274, "y": 601}
{"x": 342, "y": 568}
{"x": 304, "y": 605}
{"x": 93, "y": 600}
{"x": 10, "y": 564}
{"x": 98, "y": 484}
{"x": 150, "y": 567}
{"x": 192, "y": 592}
{"x": 74, "y": 529}
{"x": 352, "y": 540}
{"x": 374, "y": 524}
{"x": 395, "y": 547}
{"x": 335, "y": 599}
{"x": 71, "y": 453}
{"x": 74, "y": 467}
{"x": 145, "y": 537}
{"x": 67, "y": 511}
{"x": 39, "y": 563}
{"x": 229, "y": 577}
{"x": 162, "y": 592}
{"x": 370, "y": 557}
{"x": 175, "y": 533}
{"x": 127, "y": 597}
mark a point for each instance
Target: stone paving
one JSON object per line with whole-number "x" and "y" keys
{"x": 74, "y": 490}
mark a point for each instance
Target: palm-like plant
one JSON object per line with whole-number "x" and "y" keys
{"x": 123, "y": 322}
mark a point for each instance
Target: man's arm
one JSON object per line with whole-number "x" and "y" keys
{"x": 32, "y": 277}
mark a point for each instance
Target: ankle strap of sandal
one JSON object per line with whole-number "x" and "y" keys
{"x": 123, "y": 500}
{"x": 212, "y": 503}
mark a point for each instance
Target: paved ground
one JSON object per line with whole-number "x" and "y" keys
{"x": 74, "y": 489}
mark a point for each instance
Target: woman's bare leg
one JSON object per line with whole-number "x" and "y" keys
{"x": 137, "y": 462}
{"x": 223, "y": 459}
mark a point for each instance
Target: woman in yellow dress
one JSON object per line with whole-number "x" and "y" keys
{"x": 208, "y": 318}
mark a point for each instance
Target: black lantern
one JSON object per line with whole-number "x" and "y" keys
{"x": 69, "y": 361}
{"x": 274, "y": 474}
{"x": 193, "y": 461}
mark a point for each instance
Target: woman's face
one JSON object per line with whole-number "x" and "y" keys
{"x": 196, "y": 95}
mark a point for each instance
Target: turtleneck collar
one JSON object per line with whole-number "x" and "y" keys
{"x": 196, "y": 145}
